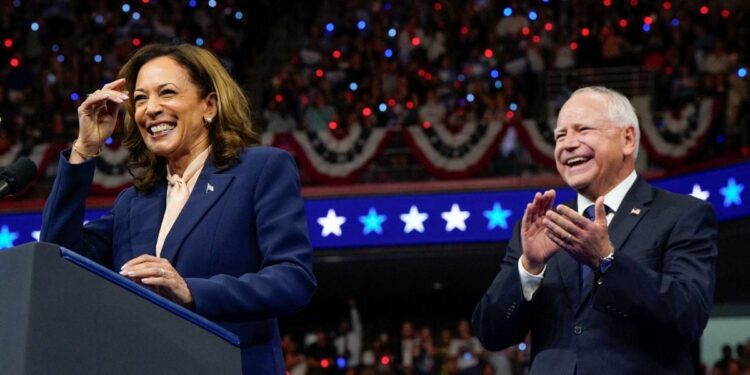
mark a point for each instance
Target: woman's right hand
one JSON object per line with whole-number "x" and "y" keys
{"x": 97, "y": 116}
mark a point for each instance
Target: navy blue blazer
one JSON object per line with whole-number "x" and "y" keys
{"x": 241, "y": 242}
{"x": 639, "y": 318}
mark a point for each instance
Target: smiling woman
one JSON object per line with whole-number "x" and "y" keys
{"x": 212, "y": 223}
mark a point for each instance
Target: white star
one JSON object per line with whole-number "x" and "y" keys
{"x": 414, "y": 220}
{"x": 700, "y": 194}
{"x": 331, "y": 223}
{"x": 455, "y": 218}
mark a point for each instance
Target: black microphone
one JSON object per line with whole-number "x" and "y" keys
{"x": 16, "y": 176}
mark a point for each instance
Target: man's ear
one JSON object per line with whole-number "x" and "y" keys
{"x": 628, "y": 140}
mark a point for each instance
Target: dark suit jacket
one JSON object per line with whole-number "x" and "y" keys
{"x": 240, "y": 242}
{"x": 639, "y": 318}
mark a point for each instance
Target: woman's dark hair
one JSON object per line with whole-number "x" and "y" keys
{"x": 230, "y": 131}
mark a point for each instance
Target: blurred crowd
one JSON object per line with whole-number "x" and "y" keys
{"x": 411, "y": 349}
{"x": 733, "y": 361}
{"x": 319, "y": 65}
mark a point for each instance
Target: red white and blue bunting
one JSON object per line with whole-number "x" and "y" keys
{"x": 669, "y": 138}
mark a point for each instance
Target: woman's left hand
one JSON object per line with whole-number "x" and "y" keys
{"x": 159, "y": 273}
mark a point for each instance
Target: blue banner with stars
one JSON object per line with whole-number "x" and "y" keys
{"x": 440, "y": 218}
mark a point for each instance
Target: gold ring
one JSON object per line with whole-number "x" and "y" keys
{"x": 161, "y": 272}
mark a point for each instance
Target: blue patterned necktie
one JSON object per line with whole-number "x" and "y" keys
{"x": 584, "y": 270}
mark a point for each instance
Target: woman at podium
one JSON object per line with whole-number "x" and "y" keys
{"x": 214, "y": 222}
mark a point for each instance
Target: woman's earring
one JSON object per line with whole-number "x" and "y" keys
{"x": 207, "y": 121}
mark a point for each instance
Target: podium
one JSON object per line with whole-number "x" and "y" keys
{"x": 61, "y": 313}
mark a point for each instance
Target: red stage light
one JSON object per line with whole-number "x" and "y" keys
{"x": 136, "y": 42}
{"x": 366, "y": 111}
{"x": 548, "y": 26}
{"x": 525, "y": 31}
{"x": 15, "y": 62}
{"x": 667, "y": 5}
{"x": 278, "y": 98}
{"x": 623, "y": 23}
{"x": 704, "y": 10}
{"x": 385, "y": 360}
{"x": 319, "y": 73}
{"x": 488, "y": 53}
{"x": 332, "y": 125}
{"x": 8, "y": 43}
{"x": 573, "y": 46}
{"x": 415, "y": 41}
{"x": 336, "y": 54}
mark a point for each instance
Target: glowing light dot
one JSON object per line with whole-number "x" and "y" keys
{"x": 464, "y": 30}
{"x": 97, "y": 58}
{"x": 426, "y": 125}
{"x": 392, "y": 32}
{"x": 391, "y": 102}
{"x": 199, "y": 42}
{"x": 648, "y": 20}
{"x": 533, "y": 16}
{"x": 410, "y": 104}
{"x": 585, "y": 32}
{"x": 341, "y": 362}
{"x": 330, "y": 27}
{"x": 238, "y": 15}
{"x": 548, "y": 26}
{"x": 704, "y": 10}
{"x": 415, "y": 41}
{"x": 525, "y": 31}
{"x": 507, "y": 11}
{"x": 324, "y": 363}
{"x": 382, "y": 107}
{"x": 361, "y": 25}
{"x": 333, "y": 125}
{"x": 60, "y": 58}
{"x": 192, "y": 3}
{"x": 488, "y": 53}
{"x": 742, "y": 72}
{"x": 675, "y": 22}
{"x": 55, "y": 48}
{"x": 470, "y": 98}
{"x": 623, "y": 23}
{"x": 725, "y": 13}
{"x": 336, "y": 54}
{"x": 498, "y": 84}
{"x": 278, "y": 98}
{"x": 438, "y": 7}
{"x": 34, "y": 26}
{"x": 607, "y": 3}
{"x": 494, "y": 73}
{"x": 633, "y": 3}
{"x": 51, "y": 78}
{"x": 145, "y": 1}
{"x": 666, "y": 5}
{"x": 366, "y": 111}
{"x": 319, "y": 73}
{"x": 388, "y": 53}
{"x": 536, "y": 39}
{"x": 509, "y": 115}
{"x": 15, "y": 62}
{"x": 136, "y": 42}
{"x": 646, "y": 28}
{"x": 513, "y": 106}
{"x": 353, "y": 86}
{"x": 99, "y": 19}
{"x": 212, "y": 3}
{"x": 428, "y": 76}
{"x": 136, "y": 16}
{"x": 573, "y": 46}
{"x": 108, "y": 141}
{"x": 385, "y": 360}
{"x": 125, "y": 8}
{"x": 74, "y": 96}
{"x": 8, "y": 43}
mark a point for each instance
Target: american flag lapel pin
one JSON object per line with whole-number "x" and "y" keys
{"x": 209, "y": 187}
{"x": 635, "y": 211}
